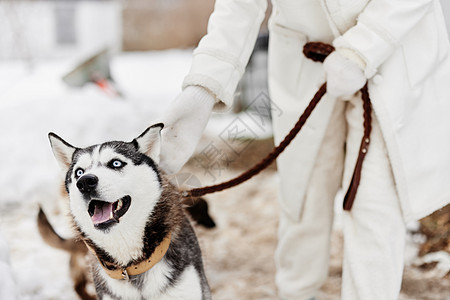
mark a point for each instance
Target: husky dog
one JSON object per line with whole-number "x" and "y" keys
{"x": 131, "y": 219}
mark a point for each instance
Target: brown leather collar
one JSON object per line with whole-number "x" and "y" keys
{"x": 123, "y": 273}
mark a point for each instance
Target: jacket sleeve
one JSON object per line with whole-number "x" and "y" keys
{"x": 222, "y": 54}
{"x": 380, "y": 29}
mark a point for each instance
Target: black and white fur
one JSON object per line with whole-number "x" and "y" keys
{"x": 129, "y": 169}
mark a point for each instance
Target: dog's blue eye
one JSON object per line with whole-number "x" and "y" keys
{"x": 79, "y": 172}
{"x": 116, "y": 164}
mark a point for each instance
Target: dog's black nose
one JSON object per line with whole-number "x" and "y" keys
{"x": 87, "y": 183}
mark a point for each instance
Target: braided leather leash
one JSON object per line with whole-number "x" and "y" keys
{"x": 317, "y": 52}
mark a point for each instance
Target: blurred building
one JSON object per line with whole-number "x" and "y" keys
{"x": 163, "y": 24}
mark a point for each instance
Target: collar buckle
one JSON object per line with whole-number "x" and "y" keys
{"x": 125, "y": 275}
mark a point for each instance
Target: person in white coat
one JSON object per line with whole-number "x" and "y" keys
{"x": 401, "y": 48}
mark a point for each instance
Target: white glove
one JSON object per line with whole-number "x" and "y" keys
{"x": 345, "y": 75}
{"x": 184, "y": 122}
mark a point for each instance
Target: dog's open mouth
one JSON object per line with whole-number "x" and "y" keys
{"x": 105, "y": 213}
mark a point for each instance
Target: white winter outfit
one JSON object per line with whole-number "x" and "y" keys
{"x": 404, "y": 48}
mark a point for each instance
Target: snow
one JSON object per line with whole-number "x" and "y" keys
{"x": 442, "y": 258}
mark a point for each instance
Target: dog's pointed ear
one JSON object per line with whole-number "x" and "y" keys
{"x": 149, "y": 142}
{"x": 62, "y": 150}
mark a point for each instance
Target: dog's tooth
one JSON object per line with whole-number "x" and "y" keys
{"x": 111, "y": 216}
{"x": 119, "y": 205}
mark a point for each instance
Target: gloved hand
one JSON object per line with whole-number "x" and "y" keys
{"x": 184, "y": 122}
{"x": 345, "y": 75}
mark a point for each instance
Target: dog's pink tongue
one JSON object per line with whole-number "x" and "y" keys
{"x": 102, "y": 213}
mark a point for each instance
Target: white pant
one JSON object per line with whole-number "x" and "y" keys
{"x": 7, "y": 284}
{"x": 374, "y": 230}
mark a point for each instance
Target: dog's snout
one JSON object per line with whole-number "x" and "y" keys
{"x": 87, "y": 183}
